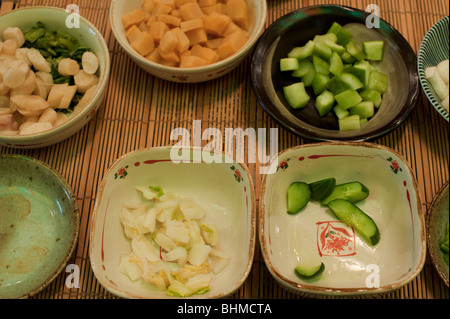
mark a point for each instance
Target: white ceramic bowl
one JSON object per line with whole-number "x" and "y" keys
{"x": 88, "y": 35}
{"x": 257, "y": 13}
{"x": 314, "y": 235}
{"x": 226, "y": 195}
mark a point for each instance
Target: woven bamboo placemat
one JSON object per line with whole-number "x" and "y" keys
{"x": 140, "y": 111}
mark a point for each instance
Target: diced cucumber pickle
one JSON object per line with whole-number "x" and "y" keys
{"x": 365, "y": 109}
{"x": 304, "y": 66}
{"x": 320, "y": 83}
{"x": 349, "y": 123}
{"x": 325, "y": 102}
{"x": 289, "y": 64}
{"x": 378, "y": 81}
{"x": 355, "y": 50}
{"x": 296, "y": 95}
{"x": 322, "y": 50}
{"x": 320, "y": 65}
{"x": 353, "y": 82}
{"x": 337, "y": 86}
{"x": 340, "y": 112}
{"x": 302, "y": 52}
{"x": 347, "y": 99}
{"x": 322, "y": 188}
{"x": 305, "y": 272}
{"x": 372, "y": 95}
{"x": 336, "y": 64}
{"x": 362, "y": 70}
{"x": 374, "y": 50}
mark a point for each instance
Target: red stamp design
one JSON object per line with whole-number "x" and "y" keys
{"x": 335, "y": 238}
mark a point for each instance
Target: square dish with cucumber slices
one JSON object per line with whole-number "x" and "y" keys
{"x": 356, "y": 226}
{"x": 380, "y": 51}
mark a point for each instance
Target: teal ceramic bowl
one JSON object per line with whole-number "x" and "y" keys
{"x": 39, "y": 225}
{"x": 433, "y": 49}
{"x": 437, "y": 225}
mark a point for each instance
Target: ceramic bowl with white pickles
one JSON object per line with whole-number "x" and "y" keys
{"x": 373, "y": 245}
{"x": 173, "y": 225}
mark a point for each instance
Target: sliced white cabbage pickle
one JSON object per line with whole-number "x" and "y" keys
{"x": 438, "y": 77}
{"x": 172, "y": 246}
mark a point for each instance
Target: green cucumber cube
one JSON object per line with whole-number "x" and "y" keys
{"x": 304, "y": 66}
{"x": 308, "y": 78}
{"x": 363, "y": 121}
{"x": 325, "y": 37}
{"x": 347, "y": 99}
{"x": 374, "y": 50}
{"x": 347, "y": 57}
{"x": 365, "y": 109}
{"x": 322, "y": 50}
{"x": 334, "y": 46}
{"x": 353, "y": 82}
{"x": 340, "y": 112}
{"x": 362, "y": 70}
{"x": 320, "y": 83}
{"x": 355, "y": 50}
{"x": 320, "y": 65}
{"x": 349, "y": 123}
{"x": 288, "y": 64}
{"x": 296, "y": 95}
{"x": 302, "y": 52}
{"x": 324, "y": 102}
{"x": 348, "y": 68}
{"x": 378, "y": 81}
{"x": 337, "y": 86}
{"x": 343, "y": 35}
{"x": 372, "y": 95}
{"x": 336, "y": 64}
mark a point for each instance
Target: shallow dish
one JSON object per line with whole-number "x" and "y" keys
{"x": 39, "y": 225}
{"x": 433, "y": 49}
{"x": 87, "y": 35}
{"x": 257, "y": 15}
{"x": 315, "y": 235}
{"x": 224, "y": 190}
{"x": 437, "y": 221}
{"x": 280, "y": 37}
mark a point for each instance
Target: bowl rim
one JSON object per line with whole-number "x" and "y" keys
{"x": 103, "y": 80}
{"x": 252, "y": 223}
{"x": 76, "y": 213}
{"x": 265, "y": 102}
{"x": 427, "y": 40}
{"x": 222, "y": 64}
{"x": 310, "y": 289}
{"x": 430, "y": 214}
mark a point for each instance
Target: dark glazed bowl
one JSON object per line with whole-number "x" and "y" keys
{"x": 295, "y": 29}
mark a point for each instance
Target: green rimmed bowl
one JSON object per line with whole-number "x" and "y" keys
{"x": 433, "y": 49}
{"x": 39, "y": 225}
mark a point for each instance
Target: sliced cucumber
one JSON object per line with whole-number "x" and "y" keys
{"x": 289, "y": 64}
{"x": 349, "y": 123}
{"x": 336, "y": 64}
{"x": 322, "y": 50}
{"x": 365, "y": 109}
{"x": 304, "y": 272}
{"x": 378, "y": 81}
{"x": 322, "y": 189}
{"x": 320, "y": 65}
{"x": 362, "y": 70}
{"x": 348, "y": 98}
{"x": 374, "y": 50}
{"x": 304, "y": 66}
{"x": 350, "y": 214}
{"x": 351, "y": 191}
{"x": 372, "y": 95}
{"x": 337, "y": 86}
{"x": 298, "y": 196}
{"x": 320, "y": 83}
{"x": 343, "y": 35}
{"x": 340, "y": 112}
{"x": 355, "y": 50}
{"x": 302, "y": 52}
{"x": 324, "y": 102}
{"x": 296, "y": 95}
{"x": 353, "y": 82}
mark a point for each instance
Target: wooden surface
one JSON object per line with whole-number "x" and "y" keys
{"x": 140, "y": 110}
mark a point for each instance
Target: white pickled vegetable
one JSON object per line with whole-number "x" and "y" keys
{"x": 14, "y": 33}
{"x": 89, "y": 62}
{"x": 14, "y": 77}
{"x": 438, "y": 78}
{"x": 35, "y": 128}
{"x": 198, "y": 254}
{"x": 29, "y": 105}
{"x": 38, "y": 61}
{"x": 443, "y": 69}
{"x": 178, "y": 254}
{"x": 9, "y": 47}
{"x": 68, "y": 66}
{"x": 84, "y": 81}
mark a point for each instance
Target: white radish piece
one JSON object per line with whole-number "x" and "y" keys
{"x": 35, "y": 128}
{"x": 68, "y": 66}
{"x": 46, "y": 78}
{"x": 4, "y": 103}
{"x": 38, "y": 61}
{"x": 40, "y": 89}
{"x": 198, "y": 254}
{"x": 436, "y": 82}
{"x": 62, "y": 118}
{"x": 178, "y": 254}
{"x": 4, "y": 90}
{"x": 9, "y": 47}
{"x": 48, "y": 115}
{"x": 89, "y": 62}
{"x": 68, "y": 96}
{"x": 84, "y": 81}
{"x": 27, "y": 87}
{"x": 56, "y": 94}
{"x": 22, "y": 55}
{"x": 14, "y": 77}
{"x": 6, "y": 119}
{"x": 443, "y": 69}
{"x": 29, "y": 105}
{"x": 14, "y": 33}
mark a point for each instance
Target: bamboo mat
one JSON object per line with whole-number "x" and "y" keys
{"x": 139, "y": 111}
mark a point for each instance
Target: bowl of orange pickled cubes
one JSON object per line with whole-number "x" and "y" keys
{"x": 187, "y": 40}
